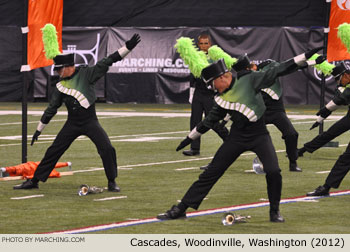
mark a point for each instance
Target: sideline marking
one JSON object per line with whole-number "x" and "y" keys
{"x": 102, "y": 227}
{"x": 28, "y": 197}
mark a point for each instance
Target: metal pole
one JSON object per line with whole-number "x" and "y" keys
{"x": 25, "y": 86}
{"x": 323, "y": 80}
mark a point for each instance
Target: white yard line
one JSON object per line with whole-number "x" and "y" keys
{"x": 55, "y": 120}
{"x": 322, "y": 172}
{"x": 151, "y": 114}
{"x": 188, "y": 168}
{"x": 104, "y": 113}
{"x": 28, "y": 197}
{"x": 111, "y": 198}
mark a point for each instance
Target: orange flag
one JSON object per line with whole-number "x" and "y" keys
{"x": 340, "y": 13}
{"x": 41, "y": 12}
{"x": 26, "y": 170}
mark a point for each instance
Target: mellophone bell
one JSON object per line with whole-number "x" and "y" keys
{"x": 229, "y": 219}
{"x": 85, "y": 190}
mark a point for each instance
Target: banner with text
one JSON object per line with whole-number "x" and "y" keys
{"x": 154, "y": 73}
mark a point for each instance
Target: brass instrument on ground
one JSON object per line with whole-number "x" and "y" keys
{"x": 229, "y": 219}
{"x": 258, "y": 166}
{"x": 85, "y": 190}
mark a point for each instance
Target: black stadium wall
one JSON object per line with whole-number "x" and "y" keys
{"x": 153, "y": 72}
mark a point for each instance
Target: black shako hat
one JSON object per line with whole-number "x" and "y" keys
{"x": 242, "y": 63}
{"x": 214, "y": 70}
{"x": 63, "y": 60}
{"x": 339, "y": 70}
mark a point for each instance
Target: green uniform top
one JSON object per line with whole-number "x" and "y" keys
{"x": 80, "y": 87}
{"x": 244, "y": 96}
{"x": 275, "y": 90}
{"x": 342, "y": 95}
{"x": 243, "y": 100}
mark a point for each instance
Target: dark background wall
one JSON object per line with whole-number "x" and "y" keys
{"x": 162, "y": 13}
{"x": 149, "y": 13}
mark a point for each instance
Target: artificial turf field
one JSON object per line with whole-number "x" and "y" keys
{"x": 152, "y": 177}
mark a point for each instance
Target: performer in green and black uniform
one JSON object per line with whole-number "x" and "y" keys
{"x": 342, "y": 165}
{"x": 242, "y": 99}
{"x": 276, "y": 114}
{"x": 341, "y": 97}
{"x": 202, "y": 100}
{"x": 76, "y": 88}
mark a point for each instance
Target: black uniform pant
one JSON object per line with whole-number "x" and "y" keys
{"x": 335, "y": 130}
{"x": 228, "y": 152}
{"x": 70, "y": 131}
{"x": 202, "y": 103}
{"x": 289, "y": 134}
{"x": 340, "y": 169}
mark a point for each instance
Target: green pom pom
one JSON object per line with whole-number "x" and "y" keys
{"x": 216, "y": 53}
{"x": 195, "y": 60}
{"x": 51, "y": 47}
{"x": 325, "y": 67}
{"x": 344, "y": 35}
{"x": 203, "y": 55}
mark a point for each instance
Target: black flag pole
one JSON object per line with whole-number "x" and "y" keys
{"x": 25, "y": 82}
{"x": 323, "y": 79}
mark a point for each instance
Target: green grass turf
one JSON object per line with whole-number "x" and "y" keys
{"x": 152, "y": 189}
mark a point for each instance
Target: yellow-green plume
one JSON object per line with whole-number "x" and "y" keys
{"x": 216, "y": 53}
{"x": 191, "y": 56}
{"x": 51, "y": 47}
{"x": 325, "y": 67}
{"x": 344, "y": 35}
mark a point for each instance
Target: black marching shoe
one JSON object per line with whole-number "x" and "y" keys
{"x": 172, "y": 214}
{"x": 275, "y": 216}
{"x": 191, "y": 152}
{"x": 319, "y": 191}
{"x": 204, "y": 167}
{"x": 28, "y": 184}
{"x": 113, "y": 187}
{"x": 293, "y": 167}
{"x": 301, "y": 152}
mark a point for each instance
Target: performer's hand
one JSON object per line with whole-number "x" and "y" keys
{"x": 184, "y": 143}
{"x": 223, "y": 133}
{"x": 316, "y": 61}
{"x": 223, "y": 123}
{"x": 316, "y": 124}
{"x": 320, "y": 59}
{"x": 311, "y": 52}
{"x": 130, "y": 44}
{"x": 35, "y": 137}
{"x": 324, "y": 112}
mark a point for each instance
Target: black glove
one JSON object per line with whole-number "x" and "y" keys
{"x": 184, "y": 143}
{"x": 130, "y": 44}
{"x": 311, "y": 52}
{"x": 35, "y": 136}
{"x": 316, "y": 124}
{"x": 320, "y": 59}
{"x": 324, "y": 112}
{"x": 222, "y": 130}
{"x": 224, "y": 133}
{"x": 223, "y": 123}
